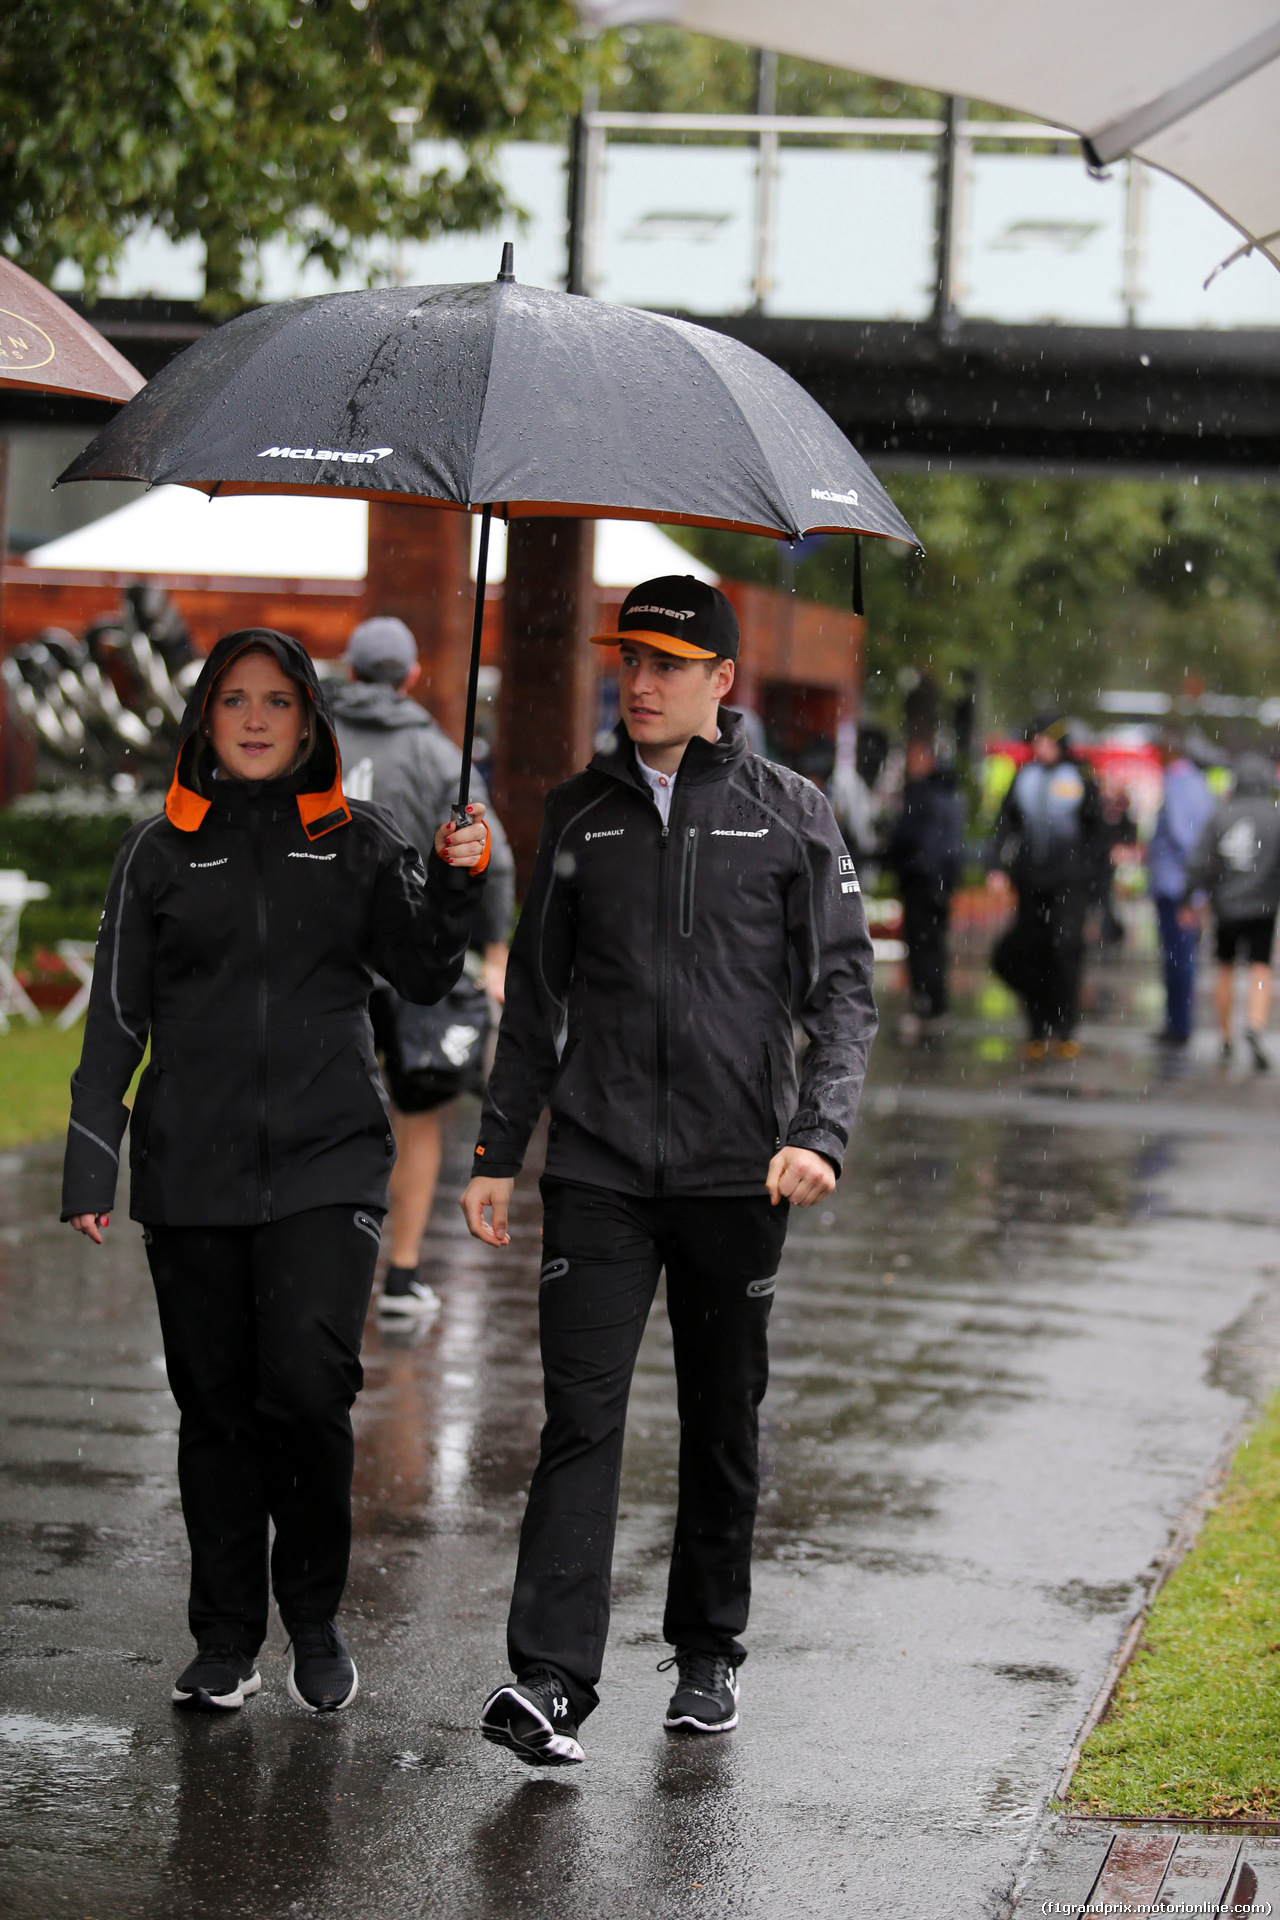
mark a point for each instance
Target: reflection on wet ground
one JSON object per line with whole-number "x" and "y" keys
{"x": 1004, "y": 1356}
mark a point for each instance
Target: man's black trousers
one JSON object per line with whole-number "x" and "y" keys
{"x": 262, "y": 1329}
{"x": 926, "y": 910}
{"x": 1042, "y": 958}
{"x": 602, "y": 1255}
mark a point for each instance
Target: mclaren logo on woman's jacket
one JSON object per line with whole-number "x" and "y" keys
{"x": 666, "y": 957}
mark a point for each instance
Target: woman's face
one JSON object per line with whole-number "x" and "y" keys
{"x": 256, "y": 719}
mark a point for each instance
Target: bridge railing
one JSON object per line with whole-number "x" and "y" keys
{"x": 820, "y": 217}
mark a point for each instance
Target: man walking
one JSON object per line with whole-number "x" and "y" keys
{"x": 926, "y": 851}
{"x": 393, "y": 752}
{"x": 1045, "y": 841}
{"x": 1184, "y": 811}
{"x": 678, "y": 882}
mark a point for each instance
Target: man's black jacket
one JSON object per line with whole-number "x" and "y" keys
{"x": 927, "y": 842}
{"x": 665, "y": 957}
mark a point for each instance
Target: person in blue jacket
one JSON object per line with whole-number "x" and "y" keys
{"x": 1184, "y": 814}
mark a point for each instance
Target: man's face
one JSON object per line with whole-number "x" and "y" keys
{"x": 1047, "y": 750}
{"x": 666, "y": 701}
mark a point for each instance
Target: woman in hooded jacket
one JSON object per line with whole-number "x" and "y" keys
{"x": 242, "y": 932}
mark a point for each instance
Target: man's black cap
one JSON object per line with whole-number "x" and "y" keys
{"x": 680, "y": 615}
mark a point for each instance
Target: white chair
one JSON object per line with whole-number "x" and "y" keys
{"x": 77, "y": 955}
{"x": 16, "y": 892}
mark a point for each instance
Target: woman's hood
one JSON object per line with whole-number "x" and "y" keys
{"x": 322, "y": 805}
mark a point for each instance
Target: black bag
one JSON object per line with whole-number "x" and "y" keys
{"x": 446, "y": 1042}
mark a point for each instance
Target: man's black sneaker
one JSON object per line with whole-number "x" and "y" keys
{"x": 1260, "y": 1059}
{"x": 706, "y": 1699}
{"x": 219, "y": 1679}
{"x": 322, "y": 1674}
{"x": 533, "y": 1718}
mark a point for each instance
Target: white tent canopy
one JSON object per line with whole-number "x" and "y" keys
{"x": 174, "y": 530}
{"x": 1189, "y": 88}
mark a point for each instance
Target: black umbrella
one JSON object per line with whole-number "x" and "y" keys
{"x": 501, "y": 397}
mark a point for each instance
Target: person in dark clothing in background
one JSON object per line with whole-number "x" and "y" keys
{"x": 1237, "y": 863}
{"x": 394, "y": 753}
{"x": 926, "y": 851}
{"x": 679, "y": 881}
{"x": 242, "y": 930}
{"x": 1046, "y": 842}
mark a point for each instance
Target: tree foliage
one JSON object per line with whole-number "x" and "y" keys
{"x": 1055, "y": 589}
{"x": 241, "y": 121}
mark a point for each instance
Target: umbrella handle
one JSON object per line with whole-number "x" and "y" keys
{"x": 459, "y": 810}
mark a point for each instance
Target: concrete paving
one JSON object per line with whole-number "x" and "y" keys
{"x": 1005, "y": 1358}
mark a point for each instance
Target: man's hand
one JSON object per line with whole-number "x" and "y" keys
{"x": 1189, "y": 917}
{"x": 483, "y": 1194}
{"x": 495, "y": 972}
{"x": 795, "y": 1174}
{"x": 90, "y": 1224}
{"x": 998, "y": 882}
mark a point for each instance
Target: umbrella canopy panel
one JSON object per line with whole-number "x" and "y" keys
{"x": 1192, "y": 89}
{"x": 47, "y": 348}
{"x": 497, "y": 394}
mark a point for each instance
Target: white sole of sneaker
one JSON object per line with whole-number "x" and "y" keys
{"x": 307, "y": 1705}
{"x": 398, "y": 1307}
{"x": 687, "y": 1720}
{"x": 201, "y": 1702}
{"x": 536, "y": 1741}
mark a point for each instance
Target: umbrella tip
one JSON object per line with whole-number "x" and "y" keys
{"x": 507, "y": 271}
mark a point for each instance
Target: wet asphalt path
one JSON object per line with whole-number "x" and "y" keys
{"x": 1004, "y": 1359}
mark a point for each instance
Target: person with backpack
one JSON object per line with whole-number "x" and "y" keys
{"x": 243, "y": 930}
{"x": 680, "y": 881}
{"x": 1236, "y": 862}
{"x": 394, "y": 753}
{"x": 926, "y": 851}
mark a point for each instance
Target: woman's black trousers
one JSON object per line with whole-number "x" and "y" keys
{"x": 262, "y": 1329}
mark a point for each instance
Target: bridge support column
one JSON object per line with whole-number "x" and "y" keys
{"x": 547, "y": 701}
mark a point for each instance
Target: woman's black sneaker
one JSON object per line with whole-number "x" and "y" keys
{"x": 706, "y": 1699}
{"x": 322, "y": 1674}
{"x": 1260, "y": 1059}
{"x": 534, "y": 1719}
{"x": 218, "y": 1680}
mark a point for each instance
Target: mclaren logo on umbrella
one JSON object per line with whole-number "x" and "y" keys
{"x": 848, "y": 499}
{"x": 326, "y": 453}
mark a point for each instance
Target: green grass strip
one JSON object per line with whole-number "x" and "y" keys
{"x": 36, "y": 1065}
{"x": 1194, "y": 1727}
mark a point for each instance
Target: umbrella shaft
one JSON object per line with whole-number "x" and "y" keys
{"x": 473, "y": 674}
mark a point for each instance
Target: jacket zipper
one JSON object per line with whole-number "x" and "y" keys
{"x": 660, "y": 1154}
{"x": 688, "y": 874}
{"x": 260, "y": 1060}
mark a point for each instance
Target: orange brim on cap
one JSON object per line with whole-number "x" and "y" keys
{"x": 664, "y": 642}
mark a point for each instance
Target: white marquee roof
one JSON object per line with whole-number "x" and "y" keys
{"x": 174, "y": 530}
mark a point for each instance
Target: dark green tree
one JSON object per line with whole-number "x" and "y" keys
{"x": 241, "y": 121}
{"x": 1055, "y": 589}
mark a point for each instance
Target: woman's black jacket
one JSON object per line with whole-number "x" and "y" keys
{"x": 243, "y": 936}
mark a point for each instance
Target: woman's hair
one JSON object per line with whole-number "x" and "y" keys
{"x": 203, "y": 759}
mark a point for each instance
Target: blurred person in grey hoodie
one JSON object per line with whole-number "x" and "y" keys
{"x": 395, "y": 753}
{"x": 1236, "y": 862}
